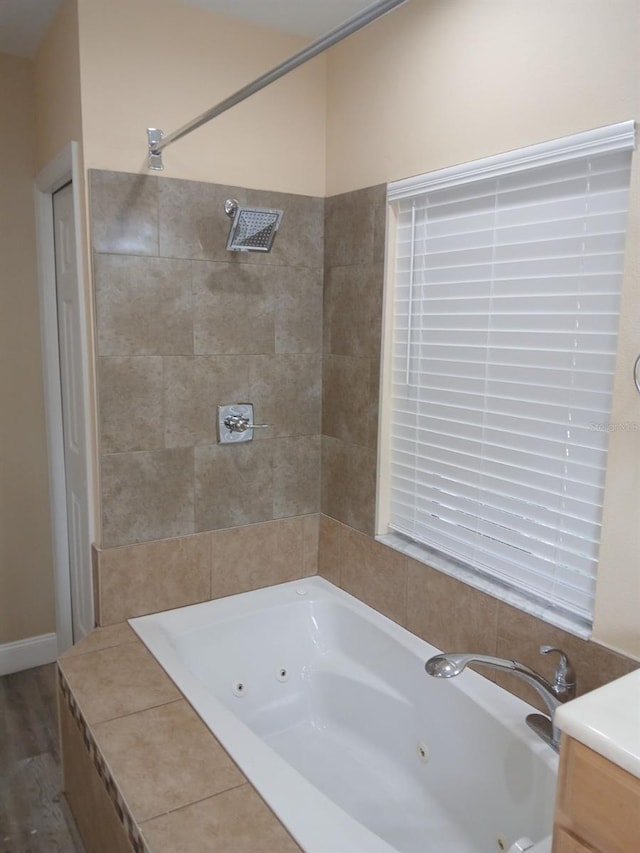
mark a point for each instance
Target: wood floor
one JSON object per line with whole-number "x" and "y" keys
{"x": 34, "y": 816}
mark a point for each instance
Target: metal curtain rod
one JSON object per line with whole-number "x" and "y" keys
{"x": 158, "y": 141}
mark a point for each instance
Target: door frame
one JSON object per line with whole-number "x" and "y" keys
{"x": 63, "y": 169}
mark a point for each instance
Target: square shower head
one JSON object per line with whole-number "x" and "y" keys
{"x": 253, "y": 229}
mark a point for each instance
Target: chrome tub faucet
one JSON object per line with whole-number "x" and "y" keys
{"x": 554, "y": 693}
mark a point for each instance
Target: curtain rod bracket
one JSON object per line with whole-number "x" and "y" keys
{"x": 154, "y": 136}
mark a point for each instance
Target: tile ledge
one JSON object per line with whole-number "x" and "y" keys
{"x": 100, "y": 549}
{"x": 142, "y": 823}
{"x": 78, "y": 649}
{"x": 108, "y": 773}
{"x": 483, "y": 583}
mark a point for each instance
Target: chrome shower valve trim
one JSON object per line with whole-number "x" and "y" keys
{"x": 238, "y": 423}
{"x": 235, "y": 423}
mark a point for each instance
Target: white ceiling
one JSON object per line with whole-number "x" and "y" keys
{"x": 23, "y": 23}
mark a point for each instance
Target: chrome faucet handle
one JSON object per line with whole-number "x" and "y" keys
{"x": 238, "y": 423}
{"x": 564, "y": 678}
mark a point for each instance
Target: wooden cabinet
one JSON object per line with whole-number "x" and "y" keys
{"x": 565, "y": 843}
{"x": 597, "y": 806}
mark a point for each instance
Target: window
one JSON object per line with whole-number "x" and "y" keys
{"x": 502, "y": 350}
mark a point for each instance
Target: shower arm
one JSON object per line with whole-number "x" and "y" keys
{"x": 157, "y": 141}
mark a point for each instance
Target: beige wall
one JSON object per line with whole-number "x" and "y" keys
{"x": 57, "y": 77}
{"x": 617, "y": 612}
{"x": 149, "y": 64}
{"x": 441, "y": 82}
{"x": 26, "y": 565}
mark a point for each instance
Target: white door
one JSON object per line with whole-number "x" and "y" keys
{"x": 73, "y": 407}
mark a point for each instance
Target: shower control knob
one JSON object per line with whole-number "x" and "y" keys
{"x": 235, "y": 423}
{"x": 238, "y": 423}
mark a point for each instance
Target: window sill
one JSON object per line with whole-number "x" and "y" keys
{"x": 460, "y": 571}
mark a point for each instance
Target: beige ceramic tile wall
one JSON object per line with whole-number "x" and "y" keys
{"x": 353, "y": 286}
{"x": 133, "y": 580}
{"x": 182, "y": 326}
{"x": 452, "y": 615}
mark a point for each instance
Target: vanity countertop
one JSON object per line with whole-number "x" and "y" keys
{"x": 607, "y": 720}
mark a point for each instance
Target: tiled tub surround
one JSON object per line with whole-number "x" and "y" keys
{"x": 127, "y": 217}
{"x": 133, "y": 580}
{"x": 352, "y": 329}
{"x": 142, "y": 771}
{"x": 183, "y": 325}
{"x": 330, "y": 741}
{"x": 454, "y": 616}
{"x": 140, "y": 764}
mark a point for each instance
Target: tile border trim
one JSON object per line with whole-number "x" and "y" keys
{"x": 122, "y": 810}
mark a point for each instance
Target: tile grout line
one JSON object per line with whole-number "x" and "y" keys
{"x": 95, "y": 723}
{"x": 187, "y": 259}
{"x": 80, "y": 654}
{"x": 243, "y": 784}
{"x": 137, "y": 711}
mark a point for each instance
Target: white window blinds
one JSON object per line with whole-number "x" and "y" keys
{"x": 507, "y": 281}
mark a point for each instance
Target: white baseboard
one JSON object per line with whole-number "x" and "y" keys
{"x": 25, "y": 654}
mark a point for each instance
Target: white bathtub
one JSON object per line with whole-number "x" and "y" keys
{"x": 326, "y": 707}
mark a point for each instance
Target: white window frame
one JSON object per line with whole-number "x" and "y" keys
{"x": 601, "y": 140}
